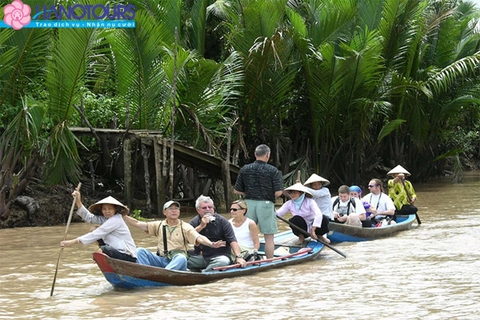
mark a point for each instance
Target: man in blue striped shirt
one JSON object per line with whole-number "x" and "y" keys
{"x": 261, "y": 183}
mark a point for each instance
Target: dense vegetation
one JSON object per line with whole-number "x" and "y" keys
{"x": 343, "y": 88}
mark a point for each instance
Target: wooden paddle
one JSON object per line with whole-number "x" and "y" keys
{"x": 410, "y": 200}
{"x": 306, "y": 235}
{"x": 64, "y": 238}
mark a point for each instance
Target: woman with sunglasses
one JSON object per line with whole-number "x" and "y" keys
{"x": 246, "y": 230}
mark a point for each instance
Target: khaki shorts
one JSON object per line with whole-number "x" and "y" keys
{"x": 263, "y": 213}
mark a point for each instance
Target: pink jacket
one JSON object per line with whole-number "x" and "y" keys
{"x": 308, "y": 210}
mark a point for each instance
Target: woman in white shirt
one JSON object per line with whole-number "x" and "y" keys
{"x": 246, "y": 230}
{"x": 118, "y": 241}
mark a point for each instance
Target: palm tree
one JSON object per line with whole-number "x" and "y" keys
{"x": 427, "y": 68}
{"x": 342, "y": 87}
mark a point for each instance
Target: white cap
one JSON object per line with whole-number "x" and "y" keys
{"x": 169, "y": 203}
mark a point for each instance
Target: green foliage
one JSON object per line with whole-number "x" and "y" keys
{"x": 389, "y": 128}
{"x": 137, "y": 214}
{"x": 8, "y": 113}
{"x": 23, "y": 133}
{"x": 102, "y": 111}
{"x": 341, "y": 86}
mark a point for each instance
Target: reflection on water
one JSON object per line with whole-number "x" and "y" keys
{"x": 430, "y": 272}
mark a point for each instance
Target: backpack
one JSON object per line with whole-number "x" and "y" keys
{"x": 352, "y": 202}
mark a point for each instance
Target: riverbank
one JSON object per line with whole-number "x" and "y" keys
{"x": 42, "y": 206}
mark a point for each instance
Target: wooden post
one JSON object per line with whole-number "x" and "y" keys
{"x": 164, "y": 157}
{"x": 158, "y": 174}
{"x": 227, "y": 181}
{"x": 92, "y": 175}
{"x": 127, "y": 170}
{"x": 165, "y": 166}
{"x": 145, "y": 155}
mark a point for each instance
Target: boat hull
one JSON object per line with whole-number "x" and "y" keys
{"x": 345, "y": 233}
{"x": 128, "y": 275}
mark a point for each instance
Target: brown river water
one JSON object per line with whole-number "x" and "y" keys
{"x": 428, "y": 272}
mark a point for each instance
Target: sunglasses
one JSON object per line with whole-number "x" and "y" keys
{"x": 235, "y": 209}
{"x": 206, "y": 207}
{"x": 372, "y": 185}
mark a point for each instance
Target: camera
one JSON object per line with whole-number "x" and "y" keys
{"x": 210, "y": 216}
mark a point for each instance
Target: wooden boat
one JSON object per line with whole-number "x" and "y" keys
{"x": 345, "y": 233}
{"x": 128, "y": 275}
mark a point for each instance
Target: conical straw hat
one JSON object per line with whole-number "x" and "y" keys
{"x": 299, "y": 187}
{"x": 96, "y": 208}
{"x": 316, "y": 178}
{"x": 398, "y": 169}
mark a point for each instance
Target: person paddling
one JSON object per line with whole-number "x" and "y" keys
{"x": 401, "y": 191}
{"x": 117, "y": 239}
{"x": 306, "y": 214}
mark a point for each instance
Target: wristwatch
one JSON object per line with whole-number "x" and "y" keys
{"x": 239, "y": 256}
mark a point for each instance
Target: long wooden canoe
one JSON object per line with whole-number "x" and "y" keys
{"x": 128, "y": 275}
{"x": 345, "y": 233}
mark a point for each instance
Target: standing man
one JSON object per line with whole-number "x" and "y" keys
{"x": 261, "y": 183}
{"x": 173, "y": 236}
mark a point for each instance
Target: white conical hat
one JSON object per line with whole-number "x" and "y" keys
{"x": 398, "y": 169}
{"x": 96, "y": 208}
{"x": 299, "y": 187}
{"x": 316, "y": 178}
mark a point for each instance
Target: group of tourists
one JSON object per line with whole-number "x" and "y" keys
{"x": 218, "y": 242}
{"x": 212, "y": 235}
{"x": 375, "y": 209}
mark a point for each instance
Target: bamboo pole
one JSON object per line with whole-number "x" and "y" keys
{"x": 64, "y": 238}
